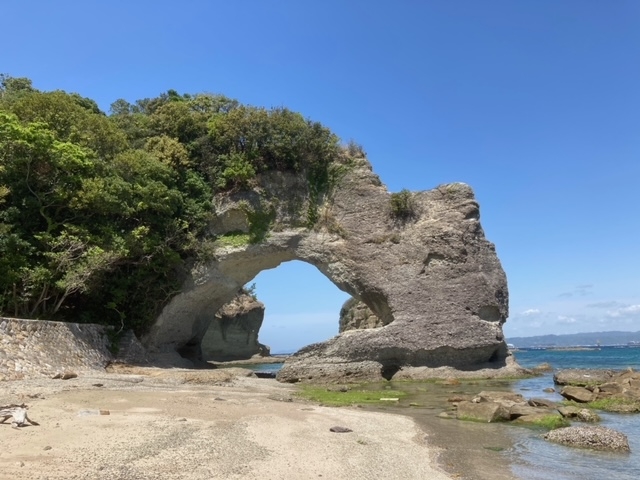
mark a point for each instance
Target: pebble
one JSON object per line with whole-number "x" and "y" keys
{"x": 340, "y": 429}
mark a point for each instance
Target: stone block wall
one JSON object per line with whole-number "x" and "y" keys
{"x": 35, "y": 348}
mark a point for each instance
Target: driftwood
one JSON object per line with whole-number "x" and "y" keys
{"x": 16, "y": 412}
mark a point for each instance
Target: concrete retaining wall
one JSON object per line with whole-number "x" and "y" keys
{"x": 35, "y": 348}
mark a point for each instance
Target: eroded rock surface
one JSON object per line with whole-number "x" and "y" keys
{"x": 432, "y": 278}
{"x": 355, "y": 315}
{"x": 233, "y": 334}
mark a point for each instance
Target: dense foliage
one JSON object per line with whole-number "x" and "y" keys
{"x": 100, "y": 213}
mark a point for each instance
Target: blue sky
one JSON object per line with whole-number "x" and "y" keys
{"x": 536, "y": 105}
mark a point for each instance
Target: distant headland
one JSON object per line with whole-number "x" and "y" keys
{"x": 577, "y": 340}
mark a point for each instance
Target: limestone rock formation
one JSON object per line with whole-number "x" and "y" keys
{"x": 355, "y": 315}
{"x": 431, "y": 277}
{"x": 233, "y": 334}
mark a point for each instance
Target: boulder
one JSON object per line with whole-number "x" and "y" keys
{"x": 609, "y": 388}
{"x": 427, "y": 272}
{"x": 588, "y": 416}
{"x": 578, "y": 394}
{"x": 596, "y": 438}
{"x": 482, "y": 412}
{"x": 538, "y": 418}
{"x": 521, "y": 410}
{"x": 582, "y": 377}
{"x": 580, "y": 414}
{"x": 568, "y": 411}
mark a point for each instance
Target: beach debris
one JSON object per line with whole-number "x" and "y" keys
{"x": 64, "y": 375}
{"x": 339, "y": 429}
{"x": 89, "y": 412}
{"x": 18, "y": 414}
{"x": 596, "y": 438}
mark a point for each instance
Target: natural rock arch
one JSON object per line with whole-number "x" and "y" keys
{"x": 432, "y": 277}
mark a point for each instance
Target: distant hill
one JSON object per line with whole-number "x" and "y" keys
{"x": 576, "y": 339}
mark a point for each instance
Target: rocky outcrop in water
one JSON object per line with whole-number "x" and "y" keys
{"x": 595, "y": 438}
{"x": 426, "y": 271}
{"x": 615, "y": 391}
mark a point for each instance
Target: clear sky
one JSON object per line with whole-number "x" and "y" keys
{"x": 535, "y": 104}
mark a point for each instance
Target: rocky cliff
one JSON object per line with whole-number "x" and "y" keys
{"x": 233, "y": 334}
{"x": 355, "y": 315}
{"x": 426, "y": 271}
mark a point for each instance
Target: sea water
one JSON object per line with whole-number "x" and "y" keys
{"x": 535, "y": 459}
{"x": 531, "y": 457}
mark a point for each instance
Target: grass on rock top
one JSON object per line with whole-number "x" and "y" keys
{"x": 234, "y": 239}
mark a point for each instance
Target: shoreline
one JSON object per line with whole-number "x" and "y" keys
{"x": 205, "y": 424}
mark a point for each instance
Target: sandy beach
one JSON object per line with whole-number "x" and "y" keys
{"x": 207, "y": 424}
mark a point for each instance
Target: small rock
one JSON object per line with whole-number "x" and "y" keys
{"x": 48, "y": 447}
{"x": 413, "y": 404}
{"x": 542, "y": 402}
{"x": 586, "y": 415}
{"x": 549, "y": 390}
{"x": 458, "y": 398}
{"x": 182, "y": 419}
{"x": 20, "y": 464}
{"x": 218, "y": 399}
{"x": 68, "y": 375}
{"x": 338, "y": 388}
{"x": 450, "y": 381}
{"x": 98, "y": 384}
{"x": 105, "y": 412}
{"x": 340, "y": 430}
